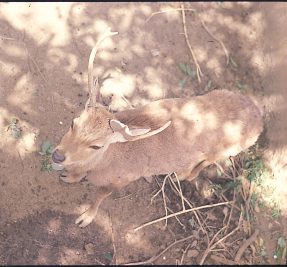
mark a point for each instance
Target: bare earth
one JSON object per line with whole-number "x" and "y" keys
{"x": 44, "y": 50}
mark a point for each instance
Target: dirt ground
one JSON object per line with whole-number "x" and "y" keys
{"x": 44, "y": 50}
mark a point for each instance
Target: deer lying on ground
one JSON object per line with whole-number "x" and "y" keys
{"x": 170, "y": 135}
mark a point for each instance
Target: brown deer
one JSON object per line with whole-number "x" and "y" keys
{"x": 182, "y": 135}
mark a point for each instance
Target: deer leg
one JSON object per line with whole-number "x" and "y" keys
{"x": 190, "y": 174}
{"x": 87, "y": 217}
{"x": 72, "y": 177}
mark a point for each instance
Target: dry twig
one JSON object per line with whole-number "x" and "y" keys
{"x": 180, "y": 191}
{"x": 166, "y": 11}
{"x": 244, "y": 246}
{"x": 163, "y": 197}
{"x": 216, "y": 39}
{"x": 181, "y": 224}
{"x": 28, "y": 54}
{"x": 198, "y": 70}
{"x": 231, "y": 212}
{"x": 184, "y": 253}
{"x": 180, "y": 212}
{"x": 113, "y": 242}
{"x": 212, "y": 246}
{"x": 197, "y": 216}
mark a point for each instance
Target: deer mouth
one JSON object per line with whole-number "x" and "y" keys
{"x": 57, "y": 166}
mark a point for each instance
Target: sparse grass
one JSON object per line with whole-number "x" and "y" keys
{"x": 188, "y": 72}
{"x": 264, "y": 194}
{"x": 241, "y": 86}
{"x": 14, "y": 128}
{"x": 280, "y": 252}
{"x": 46, "y": 151}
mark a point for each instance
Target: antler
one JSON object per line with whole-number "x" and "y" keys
{"x": 93, "y": 93}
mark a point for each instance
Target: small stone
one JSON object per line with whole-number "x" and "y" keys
{"x": 155, "y": 52}
{"x": 192, "y": 253}
{"x": 90, "y": 248}
{"x": 149, "y": 179}
{"x": 193, "y": 244}
{"x": 60, "y": 122}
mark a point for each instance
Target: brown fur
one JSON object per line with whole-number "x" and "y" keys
{"x": 203, "y": 129}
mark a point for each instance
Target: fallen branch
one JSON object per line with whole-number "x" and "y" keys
{"x": 244, "y": 246}
{"x": 181, "y": 212}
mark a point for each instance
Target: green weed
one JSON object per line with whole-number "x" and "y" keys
{"x": 14, "y": 128}
{"x": 241, "y": 86}
{"x": 188, "y": 72}
{"x": 46, "y": 151}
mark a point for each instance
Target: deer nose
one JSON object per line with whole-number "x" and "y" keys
{"x": 57, "y": 156}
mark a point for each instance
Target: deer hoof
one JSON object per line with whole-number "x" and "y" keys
{"x": 86, "y": 218}
{"x": 69, "y": 178}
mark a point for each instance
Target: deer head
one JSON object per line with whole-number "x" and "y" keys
{"x": 90, "y": 134}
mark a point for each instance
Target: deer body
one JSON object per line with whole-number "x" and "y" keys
{"x": 164, "y": 136}
{"x": 204, "y": 128}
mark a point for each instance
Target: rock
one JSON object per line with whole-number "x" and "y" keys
{"x": 155, "y": 52}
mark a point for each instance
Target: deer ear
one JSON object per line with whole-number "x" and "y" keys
{"x": 134, "y": 134}
{"x": 118, "y": 126}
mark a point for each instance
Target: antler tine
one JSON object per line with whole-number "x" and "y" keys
{"x": 93, "y": 95}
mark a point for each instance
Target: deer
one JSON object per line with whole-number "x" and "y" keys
{"x": 173, "y": 135}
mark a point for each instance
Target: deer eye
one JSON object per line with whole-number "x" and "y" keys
{"x": 95, "y": 147}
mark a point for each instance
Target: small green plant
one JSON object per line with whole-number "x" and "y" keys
{"x": 256, "y": 170}
{"x": 46, "y": 165}
{"x": 108, "y": 256}
{"x": 188, "y": 72}
{"x": 276, "y": 211}
{"x": 265, "y": 196}
{"x": 46, "y": 151}
{"x": 14, "y": 128}
{"x": 280, "y": 253}
{"x": 241, "y": 86}
{"x": 216, "y": 187}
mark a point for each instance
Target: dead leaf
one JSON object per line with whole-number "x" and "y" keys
{"x": 192, "y": 253}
